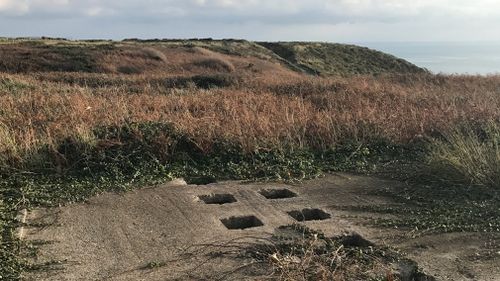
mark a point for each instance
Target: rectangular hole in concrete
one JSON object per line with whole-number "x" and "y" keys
{"x": 217, "y": 199}
{"x": 309, "y": 215}
{"x": 241, "y": 222}
{"x": 277, "y": 193}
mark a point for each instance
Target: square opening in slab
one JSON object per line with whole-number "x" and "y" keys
{"x": 309, "y": 215}
{"x": 277, "y": 193}
{"x": 241, "y": 222}
{"x": 219, "y": 199}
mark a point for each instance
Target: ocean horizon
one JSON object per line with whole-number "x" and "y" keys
{"x": 474, "y": 58}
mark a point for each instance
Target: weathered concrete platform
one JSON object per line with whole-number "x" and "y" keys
{"x": 115, "y": 236}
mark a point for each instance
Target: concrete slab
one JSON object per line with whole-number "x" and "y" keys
{"x": 127, "y": 236}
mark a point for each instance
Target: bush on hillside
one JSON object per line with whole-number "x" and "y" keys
{"x": 208, "y": 81}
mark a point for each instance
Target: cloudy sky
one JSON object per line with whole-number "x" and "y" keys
{"x": 318, "y": 20}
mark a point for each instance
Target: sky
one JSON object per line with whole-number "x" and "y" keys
{"x": 270, "y": 20}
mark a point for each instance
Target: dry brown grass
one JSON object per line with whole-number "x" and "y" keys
{"x": 270, "y": 106}
{"x": 309, "y": 113}
{"x": 311, "y": 261}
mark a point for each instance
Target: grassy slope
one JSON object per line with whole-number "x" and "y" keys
{"x": 312, "y": 58}
{"x": 339, "y": 59}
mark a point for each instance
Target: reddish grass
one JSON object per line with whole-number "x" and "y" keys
{"x": 312, "y": 112}
{"x": 272, "y": 107}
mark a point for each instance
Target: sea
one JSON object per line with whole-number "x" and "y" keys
{"x": 446, "y": 57}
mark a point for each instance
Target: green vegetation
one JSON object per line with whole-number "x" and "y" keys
{"x": 120, "y": 158}
{"x": 454, "y": 187}
{"x": 24, "y": 56}
{"x": 430, "y": 208}
{"x": 339, "y": 59}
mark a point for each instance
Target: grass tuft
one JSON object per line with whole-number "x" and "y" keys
{"x": 468, "y": 156}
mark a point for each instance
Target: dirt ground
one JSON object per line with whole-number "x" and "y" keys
{"x": 163, "y": 232}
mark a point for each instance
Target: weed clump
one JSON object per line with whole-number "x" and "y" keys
{"x": 296, "y": 252}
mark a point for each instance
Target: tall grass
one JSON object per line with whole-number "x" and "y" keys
{"x": 469, "y": 156}
{"x": 271, "y": 113}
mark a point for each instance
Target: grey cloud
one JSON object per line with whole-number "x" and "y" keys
{"x": 253, "y": 19}
{"x": 261, "y": 10}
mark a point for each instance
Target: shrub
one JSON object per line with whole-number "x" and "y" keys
{"x": 129, "y": 69}
{"x": 214, "y": 81}
{"x": 203, "y": 81}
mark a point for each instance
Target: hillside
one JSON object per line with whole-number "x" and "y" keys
{"x": 134, "y": 56}
{"x": 339, "y": 59}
